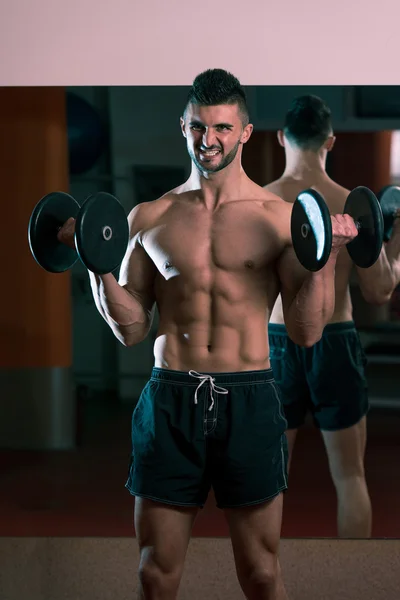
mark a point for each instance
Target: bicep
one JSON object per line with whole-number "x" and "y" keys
{"x": 138, "y": 272}
{"x": 367, "y": 277}
{"x": 376, "y": 282}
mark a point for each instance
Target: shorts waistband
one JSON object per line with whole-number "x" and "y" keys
{"x": 344, "y": 327}
{"x": 233, "y": 378}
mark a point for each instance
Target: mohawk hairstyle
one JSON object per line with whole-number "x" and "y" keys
{"x": 215, "y": 87}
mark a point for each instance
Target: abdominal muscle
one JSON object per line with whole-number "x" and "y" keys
{"x": 213, "y": 333}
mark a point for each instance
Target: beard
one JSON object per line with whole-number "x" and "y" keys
{"x": 214, "y": 168}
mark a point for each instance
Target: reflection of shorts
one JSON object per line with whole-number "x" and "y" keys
{"x": 188, "y": 436}
{"x": 327, "y": 379}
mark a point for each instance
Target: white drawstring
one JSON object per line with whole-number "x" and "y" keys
{"x": 213, "y": 387}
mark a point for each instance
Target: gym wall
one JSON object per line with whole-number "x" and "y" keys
{"x": 36, "y": 407}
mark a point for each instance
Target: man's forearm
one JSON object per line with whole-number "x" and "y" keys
{"x": 313, "y": 305}
{"x": 124, "y": 314}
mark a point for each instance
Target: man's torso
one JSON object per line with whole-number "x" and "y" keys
{"x": 216, "y": 279}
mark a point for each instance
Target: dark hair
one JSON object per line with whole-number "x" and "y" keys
{"x": 217, "y": 86}
{"x": 308, "y": 122}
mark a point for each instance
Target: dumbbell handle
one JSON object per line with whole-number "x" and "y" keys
{"x": 305, "y": 228}
{"x": 106, "y": 231}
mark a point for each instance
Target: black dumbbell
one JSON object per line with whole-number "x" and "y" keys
{"x": 101, "y": 232}
{"x": 389, "y": 199}
{"x": 311, "y": 228}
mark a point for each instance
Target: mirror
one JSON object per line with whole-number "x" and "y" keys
{"x": 70, "y": 481}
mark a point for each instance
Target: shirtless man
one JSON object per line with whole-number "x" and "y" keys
{"x": 328, "y": 379}
{"x": 212, "y": 255}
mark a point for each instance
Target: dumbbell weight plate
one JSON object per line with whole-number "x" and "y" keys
{"x": 101, "y": 233}
{"x": 389, "y": 199}
{"x": 49, "y": 214}
{"x": 363, "y": 206}
{"x": 311, "y": 230}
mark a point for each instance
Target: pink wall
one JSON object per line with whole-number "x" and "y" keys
{"x": 129, "y": 42}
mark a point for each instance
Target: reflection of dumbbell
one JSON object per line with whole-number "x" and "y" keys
{"x": 389, "y": 198}
{"x": 101, "y": 232}
{"x": 311, "y": 228}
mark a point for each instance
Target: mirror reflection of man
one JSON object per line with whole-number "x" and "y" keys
{"x": 328, "y": 379}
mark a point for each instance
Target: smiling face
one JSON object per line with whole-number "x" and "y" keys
{"x": 214, "y": 135}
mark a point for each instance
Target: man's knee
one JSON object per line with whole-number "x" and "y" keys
{"x": 263, "y": 577}
{"x": 260, "y": 577}
{"x": 159, "y": 576}
{"x": 349, "y": 478}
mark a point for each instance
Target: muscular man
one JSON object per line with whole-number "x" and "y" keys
{"x": 212, "y": 255}
{"x": 328, "y": 379}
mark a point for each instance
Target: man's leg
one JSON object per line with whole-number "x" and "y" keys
{"x": 167, "y": 477}
{"x": 248, "y": 456}
{"x": 163, "y": 534}
{"x": 288, "y": 370}
{"x": 340, "y": 397}
{"x": 255, "y": 533}
{"x": 291, "y": 435}
{"x": 345, "y": 449}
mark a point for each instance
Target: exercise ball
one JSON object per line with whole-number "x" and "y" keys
{"x": 86, "y": 134}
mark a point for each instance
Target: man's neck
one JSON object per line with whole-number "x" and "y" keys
{"x": 218, "y": 188}
{"x": 305, "y": 166}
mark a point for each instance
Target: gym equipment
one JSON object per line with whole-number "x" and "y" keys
{"x": 47, "y": 217}
{"x": 311, "y": 228}
{"x": 389, "y": 199}
{"x": 101, "y": 232}
{"x": 364, "y": 207}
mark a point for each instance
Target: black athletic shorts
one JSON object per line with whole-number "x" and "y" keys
{"x": 193, "y": 431}
{"x": 327, "y": 379}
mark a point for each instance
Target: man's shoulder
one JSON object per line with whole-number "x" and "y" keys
{"x": 343, "y": 192}
{"x": 273, "y": 186}
{"x": 275, "y": 210}
{"x": 152, "y": 208}
{"x": 145, "y": 214}
{"x": 336, "y": 196}
{"x": 280, "y": 189}
{"x": 266, "y": 194}
{"x": 272, "y": 200}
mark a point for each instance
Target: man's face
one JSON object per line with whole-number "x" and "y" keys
{"x": 213, "y": 135}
